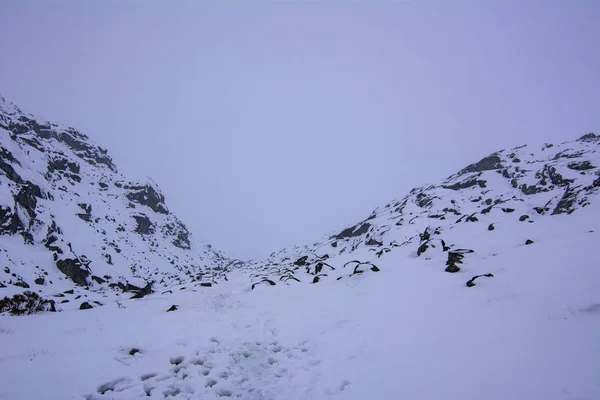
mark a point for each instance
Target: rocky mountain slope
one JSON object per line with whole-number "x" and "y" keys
{"x": 523, "y": 184}
{"x": 80, "y": 234}
{"x": 75, "y": 230}
{"x": 482, "y": 286}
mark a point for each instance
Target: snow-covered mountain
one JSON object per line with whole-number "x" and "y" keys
{"x": 524, "y": 184}
{"x": 72, "y": 227}
{"x": 484, "y": 286}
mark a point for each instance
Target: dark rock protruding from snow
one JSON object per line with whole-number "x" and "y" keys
{"x": 148, "y": 196}
{"x": 144, "y": 225}
{"x": 488, "y": 163}
{"x": 72, "y": 268}
{"x": 471, "y": 282}
{"x": 353, "y": 231}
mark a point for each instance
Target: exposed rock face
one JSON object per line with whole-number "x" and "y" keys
{"x": 73, "y": 269}
{"x": 485, "y": 164}
{"x": 147, "y": 196}
{"x": 581, "y": 166}
{"x": 63, "y": 196}
{"x": 466, "y": 184}
{"x": 354, "y": 231}
{"x": 144, "y": 225}
{"x": 590, "y": 137}
{"x": 565, "y": 205}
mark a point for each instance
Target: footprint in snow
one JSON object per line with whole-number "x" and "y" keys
{"x": 250, "y": 370}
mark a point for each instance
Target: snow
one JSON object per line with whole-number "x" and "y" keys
{"x": 409, "y": 331}
{"x": 406, "y": 330}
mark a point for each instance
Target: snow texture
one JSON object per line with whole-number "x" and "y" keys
{"x": 381, "y": 309}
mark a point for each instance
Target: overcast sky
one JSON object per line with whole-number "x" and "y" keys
{"x": 268, "y": 124}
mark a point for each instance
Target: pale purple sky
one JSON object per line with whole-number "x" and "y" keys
{"x": 268, "y": 124}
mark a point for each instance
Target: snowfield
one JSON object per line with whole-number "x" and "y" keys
{"x": 485, "y": 286}
{"x": 410, "y": 331}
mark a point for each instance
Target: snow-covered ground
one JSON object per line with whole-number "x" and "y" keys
{"x": 410, "y": 331}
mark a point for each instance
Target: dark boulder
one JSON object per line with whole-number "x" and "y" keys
{"x": 85, "y": 306}
{"x": 145, "y": 291}
{"x": 422, "y": 248}
{"x": 530, "y": 190}
{"x": 455, "y": 257}
{"x": 39, "y": 281}
{"x": 22, "y": 283}
{"x": 581, "y": 166}
{"x": 301, "y": 261}
{"x": 98, "y": 279}
{"x": 373, "y": 242}
{"x": 144, "y": 225}
{"x": 148, "y": 196}
{"x": 72, "y": 268}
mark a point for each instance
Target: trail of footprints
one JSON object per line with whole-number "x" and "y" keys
{"x": 253, "y": 370}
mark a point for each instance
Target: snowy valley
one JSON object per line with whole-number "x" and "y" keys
{"x": 483, "y": 286}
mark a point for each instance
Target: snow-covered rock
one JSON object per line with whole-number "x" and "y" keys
{"x": 70, "y": 222}
{"x": 524, "y": 184}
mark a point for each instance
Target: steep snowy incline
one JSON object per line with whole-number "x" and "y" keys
{"x": 526, "y": 184}
{"x": 76, "y": 231}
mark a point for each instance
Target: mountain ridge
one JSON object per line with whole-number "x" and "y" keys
{"x": 63, "y": 196}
